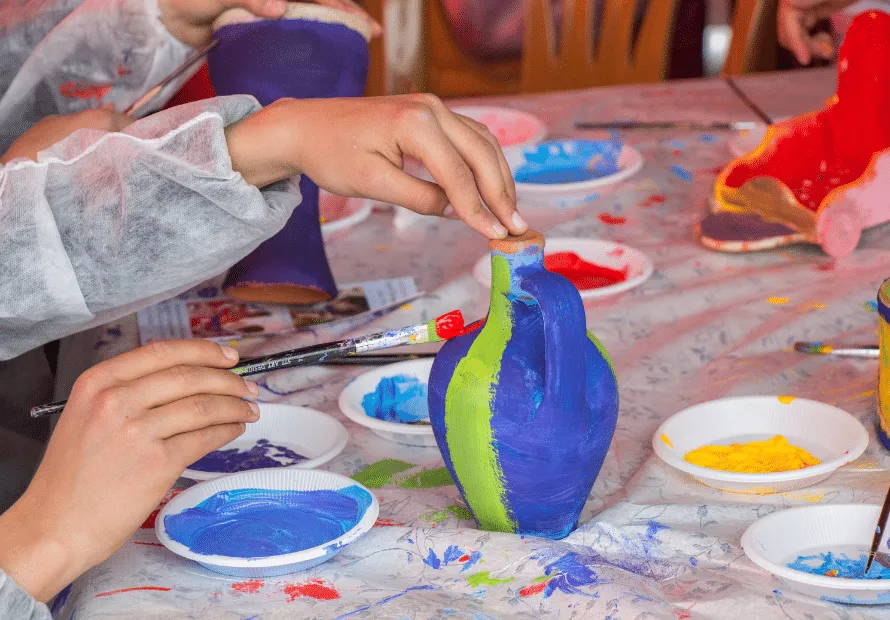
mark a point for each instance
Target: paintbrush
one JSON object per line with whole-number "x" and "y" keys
{"x": 734, "y": 126}
{"x": 445, "y": 327}
{"x": 185, "y": 66}
{"x": 859, "y": 350}
{"x": 879, "y": 531}
{"x": 377, "y": 360}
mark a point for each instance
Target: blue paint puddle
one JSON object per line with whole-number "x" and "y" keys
{"x": 847, "y": 568}
{"x": 706, "y": 137}
{"x": 569, "y": 161}
{"x": 401, "y": 399}
{"x": 259, "y": 523}
{"x": 262, "y": 455}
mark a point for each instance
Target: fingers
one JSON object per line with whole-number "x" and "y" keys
{"x": 158, "y": 356}
{"x": 186, "y": 448}
{"x": 506, "y": 173}
{"x": 821, "y": 46}
{"x": 793, "y": 36}
{"x": 385, "y": 182}
{"x": 484, "y": 159}
{"x": 197, "y": 412}
{"x": 424, "y": 139}
{"x": 173, "y": 384}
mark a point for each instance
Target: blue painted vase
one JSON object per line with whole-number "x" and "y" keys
{"x": 524, "y": 408}
{"x": 314, "y": 52}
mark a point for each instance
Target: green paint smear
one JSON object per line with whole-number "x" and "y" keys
{"x": 460, "y": 512}
{"x": 380, "y": 473}
{"x": 427, "y": 479}
{"x": 468, "y": 413}
{"x": 484, "y": 579}
{"x": 599, "y": 347}
{"x": 542, "y": 578}
{"x": 435, "y": 517}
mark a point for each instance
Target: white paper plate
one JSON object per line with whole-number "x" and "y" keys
{"x": 284, "y": 479}
{"x": 351, "y": 403}
{"x": 828, "y": 433}
{"x": 308, "y": 432}
{"x": 597, "y": 251}
{"x": 630, "y": 161}
{"x": 779, "y": 539}
{"x": 340, "y": 212}
{"x": 512, "y": 128}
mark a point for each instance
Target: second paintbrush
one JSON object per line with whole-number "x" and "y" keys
{"x": 445, "y": 327}
{"x": 818, "y": 348}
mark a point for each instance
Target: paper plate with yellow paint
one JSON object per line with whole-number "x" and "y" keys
{"x": 809, "y": 438}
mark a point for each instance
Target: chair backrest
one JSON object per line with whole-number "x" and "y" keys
{"x": 616, "y": 58}
{"x": 428, "y": 55}
{"x": 753, "y": 45}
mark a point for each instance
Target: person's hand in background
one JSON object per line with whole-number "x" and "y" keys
{"x": 52, "y": 129}
{"x": 130, "y": 428}
{"x": 191, "y": 21}
{"x": 357, "y": 147}
{"x": 795, "y": 21}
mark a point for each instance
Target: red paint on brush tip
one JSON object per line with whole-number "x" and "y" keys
{"x": 450, "y": 325}
{"x": 585, "y": 276}
{"x": 469, "y": 329}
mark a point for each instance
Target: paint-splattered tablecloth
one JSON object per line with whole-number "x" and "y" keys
{"x": 652, "y": 544}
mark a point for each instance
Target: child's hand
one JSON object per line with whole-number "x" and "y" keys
{"x": 357, "y": 147}
{"x": 131, "y": 426}
{"x": 52, "y": 129}
{"x": 191, "y": 21}
{"x": 795, "y": 20}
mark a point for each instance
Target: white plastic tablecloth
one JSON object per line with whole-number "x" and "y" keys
{"x": 653, "y": 543}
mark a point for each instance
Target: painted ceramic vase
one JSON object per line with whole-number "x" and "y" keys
{"x": 524, "y": 408}
{"x": 314, "y": 52}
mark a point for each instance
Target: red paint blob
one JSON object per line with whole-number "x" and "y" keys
{"x": 533, "y": 589}
{"x": 249, "y": 587}
{"x": 450, "y": 325}
{"x": 136, "y": 589}
{"x": 585, "y": 276}
{"x": 314, "y": 588}
{"x": 463, "y": 558}
{"x": 612, "y": 220}
{"x": 386, "y": 523}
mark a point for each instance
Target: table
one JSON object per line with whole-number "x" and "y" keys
{"x": 789, "y": 93}
{"x": 652, "y": 544}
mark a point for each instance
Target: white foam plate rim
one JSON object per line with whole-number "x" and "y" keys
{"x": 279, "y": 424}
{"x": 630, "y": 162}
{"x": 273, "y": 479}
{"x": 356, "y": 390}
{"x": 591, "y": 250}
{"x": 695, "y": 415}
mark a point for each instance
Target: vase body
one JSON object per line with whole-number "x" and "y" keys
{"x": 524, "y": 408}
{"x": 314, "y": 56}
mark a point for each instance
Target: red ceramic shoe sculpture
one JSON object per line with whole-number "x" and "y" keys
{"x": 819, "y": 178}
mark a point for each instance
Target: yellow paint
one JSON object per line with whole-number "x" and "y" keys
{"x": 323, "y": 220}
{"x": 778, "y": 301}
{"x": 819, "y": 306}
{"x": 813, "y": 498}
{"x": 831, "y": 573}
{"x": 382, "y": 247}
{"x": 665, "y": 439}
{"x": 756, "y": 457}
{"x": 787, "y": 400}
{"x": 405, "y": 307}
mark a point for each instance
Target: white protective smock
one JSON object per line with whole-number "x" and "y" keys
{"x": 103, "y": 224}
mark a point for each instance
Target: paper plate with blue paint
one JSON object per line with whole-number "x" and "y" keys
{"x": 572, "y": 166}
{"x": 284, "y": 436}
{"x": 267, "y": 522}
{"x": 803, "y": 547}
{"x": 392, "y": 402}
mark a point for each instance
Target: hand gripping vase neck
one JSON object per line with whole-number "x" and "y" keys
{"x": 524, "y": 409}
{"x": 312, "y": 52}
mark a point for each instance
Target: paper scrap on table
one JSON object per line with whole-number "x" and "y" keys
{"x": 191, "y": 315}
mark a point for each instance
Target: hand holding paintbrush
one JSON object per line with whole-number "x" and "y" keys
{"x": 445, "y": 327}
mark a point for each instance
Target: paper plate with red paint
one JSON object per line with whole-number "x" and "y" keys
{"x": 340, "y": 212}
{"x": 596, "y": 267}
{"x": 511, "y": 127}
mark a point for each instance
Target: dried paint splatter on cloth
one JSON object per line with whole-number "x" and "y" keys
{"x": 839, "y": 565}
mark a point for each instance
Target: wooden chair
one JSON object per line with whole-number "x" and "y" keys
{"x": 574, "y": 63}
{"x": 754, "y": 40}
{"x": 442, "y": 67}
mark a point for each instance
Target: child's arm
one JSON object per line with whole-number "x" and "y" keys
{"x": 356, "y": 147}
{"x": 131, "y": 426}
